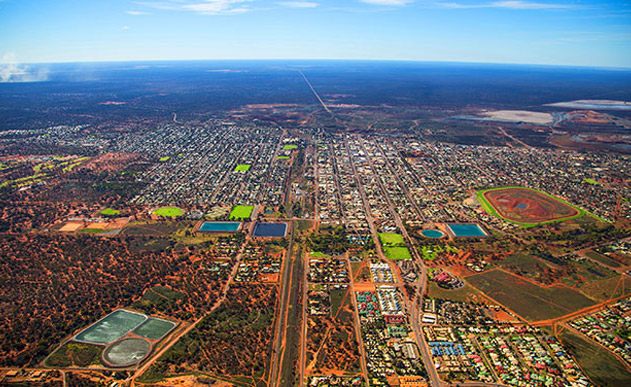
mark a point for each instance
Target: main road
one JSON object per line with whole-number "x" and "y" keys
{"x": 290, "y": 281}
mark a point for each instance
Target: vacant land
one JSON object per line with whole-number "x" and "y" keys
{"x": 608, "y": 288}
{"x": 159, "y": 298}
{"x": 155, "y": 228}
{"x": 526, "y": 206}
{"x": 603, "y": 368}
{"x": 233, "y": 342}
{"x": 605, "y": 260}
{"x": 526, "y": 265}
{"x": 532, "y": 302}
{"x": 332, "y": 346}
{"x": 241, "y": 212}
{"x": 169, "y": 212}
{"x": 74, "y": 354}
{"x": 92, "y": 277}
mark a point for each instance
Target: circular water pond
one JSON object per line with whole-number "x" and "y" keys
{"x": 126, "y": 352}
{"x": 435, "y": 234}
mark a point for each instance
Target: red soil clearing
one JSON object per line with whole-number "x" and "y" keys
{"x": 522, "y": 205}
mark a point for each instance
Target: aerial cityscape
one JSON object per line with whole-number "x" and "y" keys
{"x": 182, "y": 221}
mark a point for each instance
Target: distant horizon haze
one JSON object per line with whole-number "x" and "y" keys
{"x": 316, "y": 60}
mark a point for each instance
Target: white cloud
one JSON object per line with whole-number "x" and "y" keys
{"x": 203, "y": 7}
{"x": 298, "y": 4}
{"x": 12, "y": 71}
{"x": 136, "y": 13}
{"x": 215, "y": 7}
{"x": 507, "y": 5}
{"x": 387, "y": 2}
{"x": 125, "y": 28}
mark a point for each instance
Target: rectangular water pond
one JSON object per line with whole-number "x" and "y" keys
{"x": 220, "y": 227}
{"x": 466, "y": 230}
{"x": 111, "y": 328}
{"x": 154, "y": 328}
{"x": 270, "y": 230}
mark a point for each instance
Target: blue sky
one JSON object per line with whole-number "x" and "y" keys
{"x": 556, "y": 32}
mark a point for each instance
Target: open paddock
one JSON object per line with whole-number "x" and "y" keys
{"x": 530, "y": 301}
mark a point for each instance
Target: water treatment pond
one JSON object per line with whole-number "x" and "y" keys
{"x": 466, "y": 230}
{"x": 220, "y": 227}
{"x": 270, "y": 230}
{"x": 111, "y": 328}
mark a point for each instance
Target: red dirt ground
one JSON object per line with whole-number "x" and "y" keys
{"x": 526, "y": 206}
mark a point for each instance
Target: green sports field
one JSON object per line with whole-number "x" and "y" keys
{"x": 394, "y": 246}
{"x": 391, "y": 239}
{"x": 290, "y": 147}
{"x": 242, "y": 168}
{"x": 241, "y": 212}
{"x": 591, "y": 181}
{"x": 397, "y": 253}
{"x": 169, "y": 212}
{"x": 110, "y": 212}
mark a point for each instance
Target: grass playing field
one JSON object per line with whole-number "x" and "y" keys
{"x": 397, "y": 253}
{"x": 110, "y": 212}
{"x": 394, "y": 246}
{"x": 241, "y": 212}
{"x": 591, "y": 181}
{"x": 242, "y": 168}
{"x": 290, "y": 147}
{"x": 391, "y": 239}
{"x": 169, "y": 212}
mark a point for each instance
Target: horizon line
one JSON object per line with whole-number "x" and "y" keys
{"x": 602, "y": 67}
